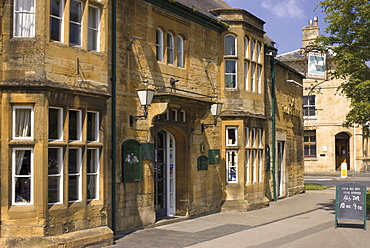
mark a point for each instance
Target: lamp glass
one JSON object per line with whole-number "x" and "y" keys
{"x": 216, "y": 109}
{"x": 145, "y": 96}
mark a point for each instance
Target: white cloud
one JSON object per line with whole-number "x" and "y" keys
{"x": 284, "y": 8}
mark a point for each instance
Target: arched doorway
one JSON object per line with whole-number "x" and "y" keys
{"x": 165, "y": 174}
{"x": 342, "y": 150}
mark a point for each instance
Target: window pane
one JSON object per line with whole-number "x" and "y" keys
{"x": 313, "y": 150}
{"x": 74, "y": 125}
{"x": 55, "y": 29}
{"x": 92, "y": 187}
{"x": 54, "y": 161}
{"x": 24, "y": 18}
{"x": 180, "y": 52}
{"x": 92, "y": 126}
{"x": 229, "y": 46}
{"x": 230, "y": 74}
{"x": 55, "y": 123}
{"x": 22, "y": 166}
{"x": 92, "y": 160}
{"x": 76, "y": 11}
{"x": 159, "y": 45}
{"x": 170, "y": 55}
{"x": 54, "y": 189}
{"x": 22, "y": 122}
{"x": 73, "y": 188}
{"x": 56, "y": 8}
{"x": 75, "y": 34}
{"x": 231, "y": 136}
{"x": 75, "y": 23}
{"x": 93, "y": 31}
{"x": 74, "y": 161}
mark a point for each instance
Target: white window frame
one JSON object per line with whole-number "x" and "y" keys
{"x": 180, "y": 51}
{"x": 254, "y": 166}
{"x": 60, "y": 20}
{"x": 95, "y": 174}
{"x": 247, "y": 167}
{"x": 253, "y": 78}
{"x": 79, "y": 125}
{"x": 24, "y": 18}
{"x": 59, "y": 175}
{"x": 60, "y": 123}
{"x": 259, "y": 137}
{"x": 259, "y": 70}
{"x": 258, "y": 52}
{"x": 15, "y": 108}
{"x": 259, "y": 155}
{"x": 235, "y": 129}
{"x": 253, "y": 137}
{"x": 94, "y": 29}
{"x": 159, "y": 44}
{"x": 14, "y": 176}
{"x": 230, "y": 45}
{"x": 234, "y": 75}
{"x": 170, "y": 49}
{"x": 174, "y": 114}
{"x": 252, "y": 50}
{"x": 246, "y": 47}
{"x": 77, "y": 23}
{"x": 183, "y": 115}
{"x": 78, "y": 174}
{"x": 229, "y": 167}
{"x": 247, "y": 137}
{"x": 97, "y": 125}
{"x": 246, "y": 75}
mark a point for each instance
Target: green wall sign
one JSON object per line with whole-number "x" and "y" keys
{"x": 132, "y": 168}
{"x": 214, "y": 156}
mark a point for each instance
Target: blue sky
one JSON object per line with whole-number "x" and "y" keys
{"x": 284, "y": 19}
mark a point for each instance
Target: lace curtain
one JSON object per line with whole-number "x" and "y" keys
{"x": 24, "y": 18}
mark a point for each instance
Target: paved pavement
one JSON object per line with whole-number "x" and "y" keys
{"x": 305, "y": 220}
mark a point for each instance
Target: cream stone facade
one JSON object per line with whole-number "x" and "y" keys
{"x": 328, "y": 143}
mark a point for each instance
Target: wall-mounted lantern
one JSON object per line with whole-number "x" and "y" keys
{"x": 145, "y": 97}
{"x": 215, "y": 110}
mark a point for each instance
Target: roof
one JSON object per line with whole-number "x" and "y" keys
{"x": 205, "y": 6}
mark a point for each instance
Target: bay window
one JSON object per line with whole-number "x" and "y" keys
{"x": 230, "y": 45}
{"x": 92, "y": 173}
{"x": 74, "y": 174}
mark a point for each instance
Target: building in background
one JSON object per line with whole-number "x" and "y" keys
{"x": 327, "y": 142}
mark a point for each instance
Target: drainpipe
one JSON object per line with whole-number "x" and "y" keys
{"x": 273, "y": 124}
{"x": 114, "y": 117}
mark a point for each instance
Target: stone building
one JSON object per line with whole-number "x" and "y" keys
{"x": 284, "y": 87}
{"x": 81, "y": 156}
{"x": 327, "y": 142}
{"x": 53, "y": 90}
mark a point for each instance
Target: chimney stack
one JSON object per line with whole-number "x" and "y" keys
{"x": 311, "y": 32}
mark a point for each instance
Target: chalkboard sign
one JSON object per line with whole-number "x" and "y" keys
{"x": 350, "y": 203}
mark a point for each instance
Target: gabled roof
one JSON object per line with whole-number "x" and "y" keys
{"x": 204, "y": 6}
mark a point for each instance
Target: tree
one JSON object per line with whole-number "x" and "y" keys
{"x": 348, "y": 35}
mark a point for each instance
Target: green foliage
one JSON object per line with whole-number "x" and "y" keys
{"x": 348, "y": 34}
